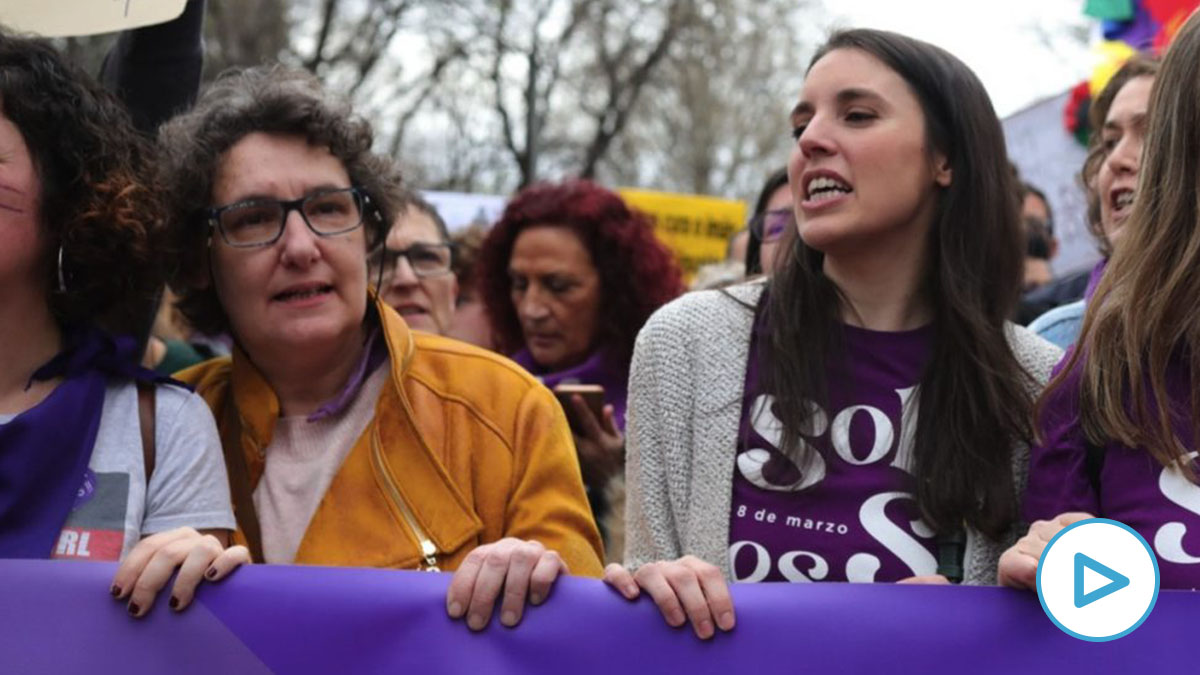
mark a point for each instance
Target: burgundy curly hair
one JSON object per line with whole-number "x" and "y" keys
{"x": 638, "y": 274}
{"x": 99, "y": 201}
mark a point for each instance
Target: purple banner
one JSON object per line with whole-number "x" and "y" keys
{"x": 56, "y": 617}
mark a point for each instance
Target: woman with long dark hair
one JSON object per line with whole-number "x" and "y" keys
{"x": 1118, "y": 423}
{"x": 864, "y": 414}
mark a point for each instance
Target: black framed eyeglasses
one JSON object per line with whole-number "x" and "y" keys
{"x": 425, "y": 259}
{"x": 260, "y": 222}
{"x": 770, "y": 225}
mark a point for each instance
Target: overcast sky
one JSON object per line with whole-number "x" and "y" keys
{"x": 1023, "y": 50}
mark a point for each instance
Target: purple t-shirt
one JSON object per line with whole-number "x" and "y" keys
{"x": 849, "y": 515}
{"x": 1161, "y": 504}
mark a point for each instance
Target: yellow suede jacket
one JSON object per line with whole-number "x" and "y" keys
{"x": 465, "y": 448}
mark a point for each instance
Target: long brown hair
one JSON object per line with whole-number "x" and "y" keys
{"x": 1142, "y": 317}
{"x": 974, "y": 402}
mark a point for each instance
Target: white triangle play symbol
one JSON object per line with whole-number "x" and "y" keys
{"x": 1093, "y": 580}
{"x": 1083, "y": 565}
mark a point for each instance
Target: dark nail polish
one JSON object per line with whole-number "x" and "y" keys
{"x": 134, "y": 609}
{"x": 211, "y": 573}
{"x": 173, "y": 603}
{"x": 115, "y": 590}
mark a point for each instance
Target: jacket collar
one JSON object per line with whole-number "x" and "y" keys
{"x": 256, "y": 402}
{"x": 440, "y": 508}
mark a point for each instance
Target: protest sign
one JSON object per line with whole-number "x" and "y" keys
{"x": 63, "y": 18}
{"x": 696, "y": 228}
{"x": 461, "y": 210}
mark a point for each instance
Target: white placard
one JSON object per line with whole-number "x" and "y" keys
{"x": 1050, "y": 158}
{"x": 461, "y": 210}
{"x": 65, "y": 18}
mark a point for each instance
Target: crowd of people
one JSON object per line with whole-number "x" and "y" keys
{"x": 335, "y": 378}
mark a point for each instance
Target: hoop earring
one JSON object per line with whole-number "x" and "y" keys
{"x": 62, "y": 280}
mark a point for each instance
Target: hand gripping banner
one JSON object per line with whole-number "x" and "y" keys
{"x": 57, "y": 617}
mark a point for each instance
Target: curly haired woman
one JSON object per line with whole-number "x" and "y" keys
{"x": 351, "y": 439}
{"x": 569, "y": 275}
{"x": 80, "y": 477}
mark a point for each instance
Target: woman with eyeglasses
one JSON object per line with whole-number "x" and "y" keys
{"x": 414, "y": 268}
{"x": 773, "y": 217}
{"x": 351, "y": 439}
{"x": 569, "y": 274}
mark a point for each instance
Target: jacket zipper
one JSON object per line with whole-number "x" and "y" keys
{"x": 429, "y": 550}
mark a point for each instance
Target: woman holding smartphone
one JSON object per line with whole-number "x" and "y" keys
{"x": 569, "y": 275}
{"x": 864, "y": 414}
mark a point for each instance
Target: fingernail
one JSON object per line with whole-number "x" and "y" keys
{"x": 509, "y": 618}
{"x": 455, "y": 610}
{"x": 631, "y": 591}
{"x": 534, "y": 598}
{"x": 705, "y": 629}
{"x": 676, "y": 620}
{"x": 476, "y": 621}
{"x": 173, "y": 603}
{"x": 211, "y": 573}
{"x": 134, "y": 609}
{"x": 115, "y": 591}
{"x": 725, "y": 621}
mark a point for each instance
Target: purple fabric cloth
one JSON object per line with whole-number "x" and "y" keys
{"x": 850, "y": 514}
{"x": 599, "y": 368}
{"x": 58, "y": 618}
{"x": 374, "y": 355}
{"x": 44, "y": 451}
{"x": 1163, "y": 506}
{"x": 1094, "y": 279}
{"x": 1138, "y": 32}
{"x": 44, "y": 454}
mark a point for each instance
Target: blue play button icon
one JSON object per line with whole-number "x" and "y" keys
{"x": 1071, "y": 579}
{"x": 1116, "y": 580}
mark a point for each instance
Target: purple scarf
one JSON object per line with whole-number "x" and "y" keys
{"x": 1094, "y": 278}
{"x": 599, "y": 368}
{"x": 44, "y": 451}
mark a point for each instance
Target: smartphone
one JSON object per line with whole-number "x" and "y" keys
{"x": 593, "y": 396}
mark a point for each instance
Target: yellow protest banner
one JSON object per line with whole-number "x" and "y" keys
{"x": 63, "y": 18}
{"x": 696, "y": 228}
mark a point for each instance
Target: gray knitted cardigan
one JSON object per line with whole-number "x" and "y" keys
{"x": 685, "y": 402}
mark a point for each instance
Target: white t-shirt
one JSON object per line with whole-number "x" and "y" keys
{"x": 113, "y": 508}
{"x": 302, "y": 460}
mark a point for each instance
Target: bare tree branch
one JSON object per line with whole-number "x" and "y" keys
{"x": 327, "y": 14}
{"x": 498, "y": 83}
{"x": 634, "y": 91}
{"x": 623, "y": 96}
{"x": 432, "y": 81}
